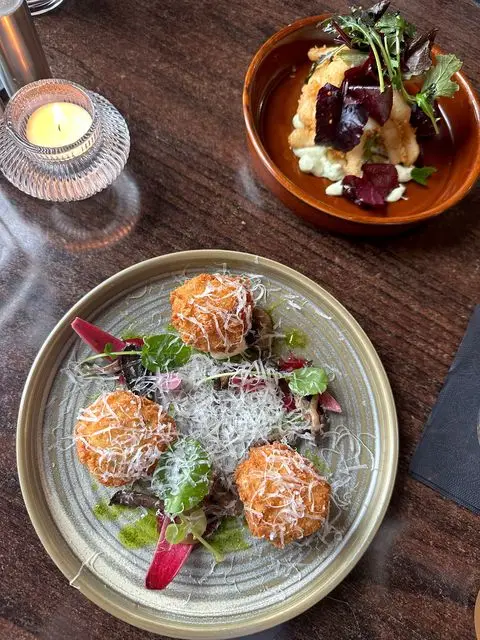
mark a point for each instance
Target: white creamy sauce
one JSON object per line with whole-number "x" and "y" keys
{"x": 396, "y": 194}
{"x": 315, "y": 160}
{"x": 404, "y": 173}
{"x": 335, "y": 189}
{"x": 297, "y": 123}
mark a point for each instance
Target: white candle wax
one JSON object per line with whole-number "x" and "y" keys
{"x": 58, "y": 124}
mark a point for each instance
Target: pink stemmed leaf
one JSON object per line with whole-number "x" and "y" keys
{"x": 95, "y": 337}
{"x": 328, "y": 403}
{"x": 167, "y": 560}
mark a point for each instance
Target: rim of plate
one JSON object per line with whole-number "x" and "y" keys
{"x": 89, "y": 584}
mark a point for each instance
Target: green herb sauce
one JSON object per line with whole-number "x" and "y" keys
{"x": 141, "y": 533}
{"x": 105, "y": 511}
{"x": 230, "y": 536}
{"x": 296, "y": 339}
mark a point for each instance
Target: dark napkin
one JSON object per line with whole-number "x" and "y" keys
{"x": 448, "y": 456}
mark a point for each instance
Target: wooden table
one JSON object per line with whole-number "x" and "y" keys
{"x": 175, "y": 68}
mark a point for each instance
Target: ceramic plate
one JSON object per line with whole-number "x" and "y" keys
{"x": 253, "y": 589}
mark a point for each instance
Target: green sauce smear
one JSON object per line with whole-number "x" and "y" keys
{"x": 296, "y": 339}
{"x": 105, "y": 511}
{"x": 141, "y": 533}
{"x": 230, "y": 536}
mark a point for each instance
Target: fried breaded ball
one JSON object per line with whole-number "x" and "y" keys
{"x": 121, "y": 435}
{"x": 213, "y": 313}
{"x": 284, "y": 498}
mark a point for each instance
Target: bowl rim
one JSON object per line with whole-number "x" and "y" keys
{"x": 304, "y": 196}
{"x": 57, "y": 547}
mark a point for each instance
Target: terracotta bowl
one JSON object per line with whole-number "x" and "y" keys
{"x": 272, "y": 87}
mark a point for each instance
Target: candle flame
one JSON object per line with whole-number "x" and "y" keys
{"x": 58, "y": 116}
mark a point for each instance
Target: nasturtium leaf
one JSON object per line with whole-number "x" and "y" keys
{"x": 308, "y": 381}
{"x": 164, "y": 352}
{"x": 182, "y": 476}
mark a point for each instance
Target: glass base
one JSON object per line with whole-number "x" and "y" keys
{"x": 71, "y": 179}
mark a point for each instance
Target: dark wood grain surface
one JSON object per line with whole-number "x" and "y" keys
{"x": 175, "y": 69}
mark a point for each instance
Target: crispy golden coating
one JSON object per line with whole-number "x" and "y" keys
{"x": 121, "y": 435}
{"x": 284, "y": 497}
{"x": 213, "y": 313}
{"x": 397, "y": 135}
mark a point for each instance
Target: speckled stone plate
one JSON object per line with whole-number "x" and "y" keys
{"x": 253, "y": 589}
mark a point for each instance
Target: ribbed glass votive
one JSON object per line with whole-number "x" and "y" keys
{"x": 72, "y": 172}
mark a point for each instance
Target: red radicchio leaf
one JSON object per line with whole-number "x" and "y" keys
{"x": 338, "y": 125}
{"x": 328, "y": 402}
{"x": 373, "y": 187}
{"x": 291, "y": 363}
{"x": 167, "y": 560}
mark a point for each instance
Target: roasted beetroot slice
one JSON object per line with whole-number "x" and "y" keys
{"x": 383, "y": 176}
{"x": 328, "y": 403}
{"x": 167, "y": 560}
{"x": 95, "y": 337}
{"x": 362, "y": 192}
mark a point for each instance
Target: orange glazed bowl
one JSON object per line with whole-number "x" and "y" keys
{"x": 272, "y": 87}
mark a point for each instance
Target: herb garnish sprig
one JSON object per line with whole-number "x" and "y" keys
{"x": 398, "y": 53}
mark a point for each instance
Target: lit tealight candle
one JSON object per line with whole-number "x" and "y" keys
{"x": 57, "y": 124}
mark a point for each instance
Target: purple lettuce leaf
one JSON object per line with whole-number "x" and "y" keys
{"x": 371, "y": 190}
{"x": 378, "y": 104}
{"x": 365, "y": 73}
{"x": 373, "y": 14}
{"x": 417, "y": 58}
{"x": 350, "y": 126}
{"x": 338, "y": 125}
{"x": 422, "y": 123}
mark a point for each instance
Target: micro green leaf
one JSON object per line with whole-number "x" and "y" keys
{"x": 421, "y": 174}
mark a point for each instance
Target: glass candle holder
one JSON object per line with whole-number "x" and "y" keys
{"x": 72, "y": 172}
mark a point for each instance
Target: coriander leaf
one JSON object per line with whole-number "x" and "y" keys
{"x": 182, "y": 476}
{"x": 230, "y": 536}
{"x": 308, "y": 381}
{"x": 394, "y": 25}
{"x": 164, "y": 352}
{"x": 108, "y": 349}
{"x": 438, "y": 80}
{"x": 421, "y": 174}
